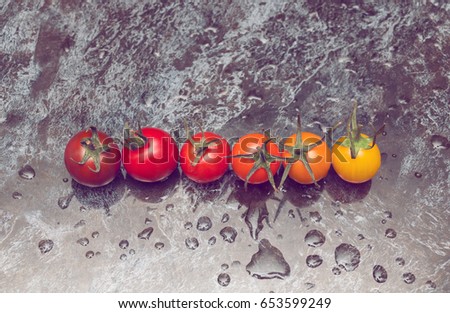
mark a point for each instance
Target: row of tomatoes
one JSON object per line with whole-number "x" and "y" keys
{"x": 150, "y": 154}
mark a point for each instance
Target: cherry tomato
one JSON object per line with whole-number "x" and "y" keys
{"x": 257, "y": 158}
{"x": 92, "y": 158}
{"x": 150, "y": 154}
{"x": 319, "y": 159}
{"x": 205, "y": 161}
{"x": 357, "y": 170}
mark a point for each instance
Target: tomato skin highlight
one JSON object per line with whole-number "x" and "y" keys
{"x": 155, "y": 160}
{"x": 81, "y": 173}
{"x": 241, "y": 166}
{"x": 359, "y": 170}
{"x": 319, "y": 159}
{"x": 212, "y": 165}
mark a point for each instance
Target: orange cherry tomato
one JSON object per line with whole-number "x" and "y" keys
{"x": 248, "y": 145}
{"x": 319, "y": 159}
{"x": 357, "y": 170}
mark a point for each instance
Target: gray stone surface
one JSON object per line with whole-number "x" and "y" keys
{"x": 238, "y": 66}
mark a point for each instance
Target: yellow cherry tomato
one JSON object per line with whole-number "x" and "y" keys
{"x": 357, "y": 170}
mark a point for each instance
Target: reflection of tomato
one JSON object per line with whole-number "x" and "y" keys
{"x": 319, "y": 159}
{"x": 92, "y": 158}
{"x": 248, "y": 145}
{"x": 212, "y": 162}
{"x": 152, "y": 160}
{"x": 357, "y": 170}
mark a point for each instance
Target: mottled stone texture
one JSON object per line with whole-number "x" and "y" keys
{"x": 237, "y": 66}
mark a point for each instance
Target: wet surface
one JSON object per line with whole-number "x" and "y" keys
{"x": 238, "y": 67}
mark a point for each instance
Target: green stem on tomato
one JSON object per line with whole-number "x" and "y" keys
{"x": 261, "y": 159}
{"x": 200, "y": 146}
{"x": 354, "y": 140}
{"x": 133, "y": 139}
{"x": 92, "y": 150}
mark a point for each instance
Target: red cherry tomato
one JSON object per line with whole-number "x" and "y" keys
{"x": 155, "y": 160}
{"x": 92, "y": 158}
{"x": 250, "y": 145}
{"x": 205, "y": 161}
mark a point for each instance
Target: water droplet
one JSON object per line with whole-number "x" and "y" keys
{"x": 361, "y": 237}
{"x": 146, "y": 233}
{"x": 123, "y": 244}
{"x": 223, "y": 279}
{"x": 212, "y": 241}
{"x": 418, "y": 175}
{"x": 204, "y": 223}
{"x": 379, "y": 274}
{"x": 314, "y": 238}
{"x": 83, "y": 209}
{"x": 383, "y": 221}
{"x": 235, "y": 263}
{"x": 439, "y": 142}
{"x": 225, "y": 218}
{"x": 170, "y": 207}
{"x": 315, "y": 216}
{"x": 63, "y": 202}
{"x": 187, "y": 225}
{"x": 65, "y": 179}
{"x": 27, "y": 172}
{"x": 90, "y": 254}
{"x": 268, "y": 262}
{"x": 81, "y": 223}
{"x": 17, "y": 195}
{"x": 338, "y": 233}
{"x": 159, "y": 245}
{"x": 254, "y": 218}
{"x": 132, "y": 252}
{"x": 228, "y": 234}
{"x": 98, "y": 253}
{"x": 394, "y": 155}
{"x": 384, "y": 133}
{"x": 409, "y": 278}
{"x": 400, "y": 261}
{"x": 430, "y": 284}
{"x": 45, "y": 246}
{"x": 224, "y": 267}
{"x": 387, "y": 214}
{"x": 147, "y": 221}
{"x": 191, "y": 243}
{"x": 390, "y": 233}
{"x": 336, "y": 271}
{"x": 291, "y": 214}
{"x": 314, "y": 260}
{"x": 338, "y": 213}
{"x": 123, "y": 257}
{"x": 279, "y": 236}
{"x": 347, "y": 256}
{"x": 95, "y": 234}
{"x": 83, "y": 241}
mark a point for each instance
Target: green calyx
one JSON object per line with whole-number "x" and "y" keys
{"x": 133, "y": 139}
{"x": 93, "y": 148}
{"x": 261, "y": 159}
{"x": 299, "y": 152}
{"x": 354, "y": 140}
{"x": 200, "y": 146}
